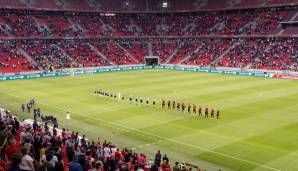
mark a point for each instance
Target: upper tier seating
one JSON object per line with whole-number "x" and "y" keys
{"x": 49, "y": 25}
{"x": 140, "y": 5}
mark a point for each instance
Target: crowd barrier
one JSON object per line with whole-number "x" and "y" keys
{"x": 72, "y": 72}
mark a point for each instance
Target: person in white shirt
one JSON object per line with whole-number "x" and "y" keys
{"x": 27, "y": 160}
{"x": 50, "y": 158}
{"x": 106, "y": 152}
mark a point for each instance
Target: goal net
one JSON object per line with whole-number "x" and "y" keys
{"x": 151, "y": 60}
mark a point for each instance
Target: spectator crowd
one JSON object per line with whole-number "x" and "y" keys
{"x": 48, "y": 40}
{"x": 39, "y": 147}
{"x": 250, "y": 53}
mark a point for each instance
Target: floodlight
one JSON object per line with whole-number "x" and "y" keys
{"x": 165, "y": 4}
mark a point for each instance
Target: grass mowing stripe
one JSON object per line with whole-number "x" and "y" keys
{"x": 170, "y": 139}
{"x": 78, "y": 89}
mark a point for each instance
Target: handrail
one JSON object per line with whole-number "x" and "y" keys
{"x": 151, "y": 37}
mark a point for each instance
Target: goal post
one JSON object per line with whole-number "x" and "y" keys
{"x": 151, "y": 60}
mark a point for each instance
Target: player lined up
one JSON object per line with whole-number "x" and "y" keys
{"x": 139, "y": 100}
{"x": 105, "y": 93}
{"x": 190, "y": 109}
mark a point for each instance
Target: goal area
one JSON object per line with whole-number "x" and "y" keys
{"x": 151, "y": 60}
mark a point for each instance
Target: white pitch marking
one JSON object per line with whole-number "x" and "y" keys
{"x": 164, "y": 138}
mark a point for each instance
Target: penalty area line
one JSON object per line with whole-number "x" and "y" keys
{"x": 165, "y": 138}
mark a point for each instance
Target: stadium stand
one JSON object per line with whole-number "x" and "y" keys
{"x": 48, "y": 24}
{"x": 270, "y": 54}
{"x": 245, "y": 53}
{"x": 60, "y": 34}
{"x": 12, "y": 61}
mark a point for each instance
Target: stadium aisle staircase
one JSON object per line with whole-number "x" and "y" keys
{"x": 64, "y": 156}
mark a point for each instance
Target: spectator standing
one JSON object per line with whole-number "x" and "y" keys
{"x": 176, "y": 167}
{"x": 11, "y": 149}
{"x": 157, "y": 158}
{"x": 27, "y": 160}
{"x": 16, "y": 160}
{"x": 74, "y": 165}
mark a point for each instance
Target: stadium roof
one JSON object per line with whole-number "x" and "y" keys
{"x": 142, "y": 5}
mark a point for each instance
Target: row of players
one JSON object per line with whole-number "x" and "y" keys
{"x": 170, "y": 105}
{"x": 190, "y": 108}
{"x": 138, "y": 100}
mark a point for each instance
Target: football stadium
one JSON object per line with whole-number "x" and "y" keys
{"x": 149, "y": 85}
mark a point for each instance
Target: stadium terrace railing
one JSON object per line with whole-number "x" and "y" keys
{"x": 73, "y": 72}
{"x": 152, "y": 37}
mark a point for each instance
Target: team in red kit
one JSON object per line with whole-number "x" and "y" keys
{"x": 191, "y": 109}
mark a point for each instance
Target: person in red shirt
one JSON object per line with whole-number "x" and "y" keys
{"x": 131, "y": 165}
{"x": 124, "y": 152}
{"x": 39, "y": 129}
{"x": 206, "y": 112}
{"x": 72, "y": 136}
{"x": 212, "y": 113}
{"x": 194, "y": 109}
{"x": 117, "y": 155}
{"x": 46, "y": 127}
{"x": 11, "y": 149}
{"x": 217, "y": 113}
{"x": 54, "y": 131}
{"x": 63, "y": 135}
{"x": 165, "y": 166}
{"x": 200, "y": 111}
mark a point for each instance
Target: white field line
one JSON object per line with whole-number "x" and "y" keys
{"x": 165, "y": 139}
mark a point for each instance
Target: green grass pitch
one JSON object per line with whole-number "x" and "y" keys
{"x": 258, "y": 129}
